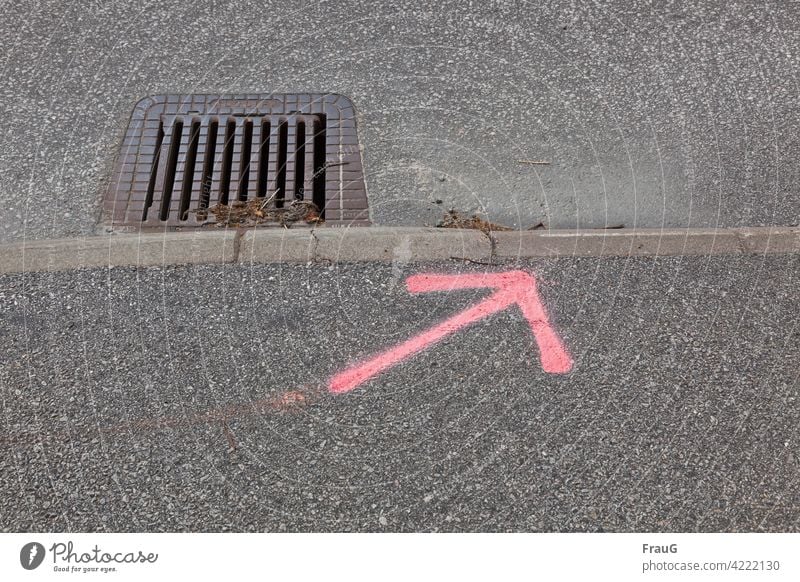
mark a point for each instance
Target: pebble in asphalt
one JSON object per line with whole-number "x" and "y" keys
{"x": 192, "y": 399}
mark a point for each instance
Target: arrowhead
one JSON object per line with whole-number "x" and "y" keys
{"x": 512, "y": 287}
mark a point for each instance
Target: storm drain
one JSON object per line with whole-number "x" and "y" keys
{"x": 185, "y": 154}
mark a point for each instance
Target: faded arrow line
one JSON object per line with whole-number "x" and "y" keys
{"x": 512, "y": 287}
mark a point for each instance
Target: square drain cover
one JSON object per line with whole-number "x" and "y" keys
{"x": 184, "y": 154}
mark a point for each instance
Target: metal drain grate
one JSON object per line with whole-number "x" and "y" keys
{"x": 183, "y": 154}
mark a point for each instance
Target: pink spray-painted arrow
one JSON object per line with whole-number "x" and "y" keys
{"x": 512, "y": 287}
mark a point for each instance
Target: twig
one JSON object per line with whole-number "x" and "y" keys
{"x": 534, "y": 162}
{"x": 325, "y": 166}
{"x": 470, "y": 261}
{"x": 268, "y": 200}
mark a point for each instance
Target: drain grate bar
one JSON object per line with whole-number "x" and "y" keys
{"x": 217, "y": 152}
{"x": 236, "y": 148}
{"x": 201, "y": 169}
{"x": 318, "y": 176}
{"x": 305, "y": 161}
{"x": 291, "y": 156}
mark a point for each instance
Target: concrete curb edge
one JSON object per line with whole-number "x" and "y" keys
{"x": 383, "y": 244}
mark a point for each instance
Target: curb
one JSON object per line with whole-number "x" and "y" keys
{"x": 385, "y": 244}
{"x": 144, "y": 250}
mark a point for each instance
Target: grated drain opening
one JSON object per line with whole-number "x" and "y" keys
{"x": 184, "y": 155}
{"x": 151, "y": 184}
{"x": 300, "y": 162}
{"x": 227, "y": 162}
{"x": 167, "y": 171}
{"x": 244, "y": 163}
{"x": 187, "y": 177}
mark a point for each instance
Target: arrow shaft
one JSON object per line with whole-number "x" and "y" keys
{"x": 352, "y": 377}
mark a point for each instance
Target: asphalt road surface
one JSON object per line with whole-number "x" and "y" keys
{"x": 648, "y": 113}
{"x": 194, "y": 399}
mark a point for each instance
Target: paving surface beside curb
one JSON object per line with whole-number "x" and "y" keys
{"x": 383, "y": 244}
{"x": 196, "y": 398}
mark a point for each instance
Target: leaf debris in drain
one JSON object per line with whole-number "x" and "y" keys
{"x": 257, "y": 211}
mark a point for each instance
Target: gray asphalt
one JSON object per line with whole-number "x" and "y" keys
{"x": 650, "y": 113}
{"x": 192, "y": 399}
